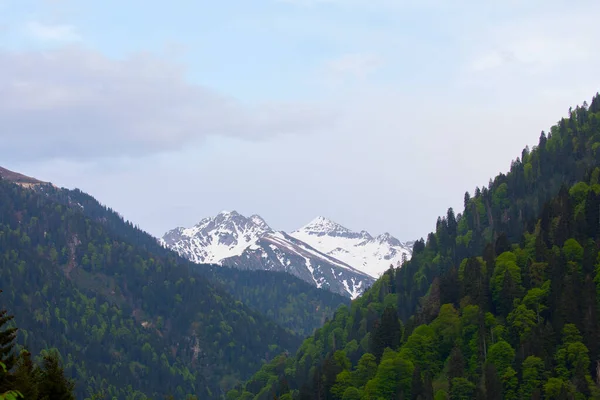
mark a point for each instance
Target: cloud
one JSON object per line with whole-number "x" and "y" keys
{"x": 78, "y": 104}
{"x": 53, "y": 33}
{"x": 536, "y": 44}
{"x": 533, "y": 54}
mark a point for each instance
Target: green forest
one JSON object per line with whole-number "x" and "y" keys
{"x": 281, "y": 297}
{"x": 500, "y": 302}
{"x": 22, "y": 376}
{"x": 128, "y": 318}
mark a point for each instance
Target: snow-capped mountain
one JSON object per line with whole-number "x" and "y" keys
{"x": 371, "y": 255}
{"x": 249, "y": 243}
{"x": 214, "y": 239}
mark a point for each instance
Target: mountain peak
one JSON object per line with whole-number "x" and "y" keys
{"x": 259, "y": 221}
{"x": 216, "y": 238}
{"x": 372, "y": 255}
{"x": 322, "y": 225}
{"x": 234, "y": 240}
{"x": 387, "y": 238}
{"x": 311, "y": 252}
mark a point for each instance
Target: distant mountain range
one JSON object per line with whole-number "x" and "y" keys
{"x": 322, "y": 253}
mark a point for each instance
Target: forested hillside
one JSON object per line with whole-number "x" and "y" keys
{"x": 128, "y": 322}
{"x": 285, "y": 299}
{"x": 29, "y": 377}
{"x": 282, "y": 297}
{"x": 501, "y": 301}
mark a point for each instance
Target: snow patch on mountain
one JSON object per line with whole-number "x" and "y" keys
{"x": 214, "y": 239}
{"x": 249, "y": 243}
{"x": 371, "y": 255}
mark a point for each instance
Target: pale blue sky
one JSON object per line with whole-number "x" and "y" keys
{"x": 378, "y": 114}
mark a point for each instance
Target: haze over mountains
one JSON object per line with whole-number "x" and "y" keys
{"x": 322, "y": 252}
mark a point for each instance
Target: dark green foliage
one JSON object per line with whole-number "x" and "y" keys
{"x": 25, "y": 374}
{"x": 456, "y": 365}
{"x": 52, "y": 383}
{"x": 502, "y": 302}
{"x": 287, "y": 300}
{"x": 417, "y": 388}
{"x": 24, "y": 379}
{"x": 493, "y": 385}
{"x": 462, "y": 389}
{"x": 427, "y": 393}
{"x": 130, "y": 318}
{"x": 7, "y": 356}
{"x": 387, "y": 333}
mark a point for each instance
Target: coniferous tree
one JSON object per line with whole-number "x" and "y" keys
{"x": 427, "y": 386}
{"x": 493, "y": 385}
{"x": 417, "y": 386}
{"x": 27, "y": 376}
{"x": 456, "y": 365}
{"x": 508, "y": 293}
{"x": 474, "y": 283}
{"x": 388, "y": 333}
{"x": 502, "y": 244}
{"x": 53, "y": 383}
{"x": 7, "y": 356}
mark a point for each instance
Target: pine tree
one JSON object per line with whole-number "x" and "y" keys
{"x": 589, "y": 309}
{"x": 502, "y": 244}
{"x": 428, "y": 387}
{"x": 456, "y": 365}
{"x": 474, "y": 284}
{"x": 356, "y": 322}
{"x": 7, "y": 356}
{"x": 417, "y": 386}
{"x": 27, "y": 376}
{"x": 387, "y": 334}
{"x": 53, "y": 383}
{"x": 493, "y": 385}
{"x": 508, "y": 293}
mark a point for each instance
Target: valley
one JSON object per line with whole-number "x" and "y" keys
{"x": 299, "y": 200}
{"x": 500, "y": 301}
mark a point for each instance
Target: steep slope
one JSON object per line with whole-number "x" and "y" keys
{"x": 496, "y": 304}
{"x": 277, "y": 251}
{"x": 19, "y": 179}
{"x": 249, "y": 243}
{"x": 128, "y": 321}
{"x": 284, "y": 298}
{"x": 372, "y": 255}
{"x": 268, "y": 292}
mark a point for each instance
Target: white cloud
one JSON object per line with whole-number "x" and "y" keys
{"x": 536, "y": 44}
{"x": 54, "y": 33}
{"x": 74, "y": 103}
{"x": 533, "y": 54}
